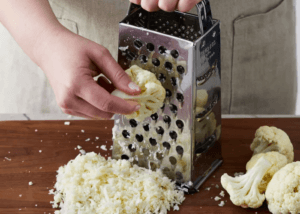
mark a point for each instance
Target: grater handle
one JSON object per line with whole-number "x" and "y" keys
{"x": 205, "y": 16}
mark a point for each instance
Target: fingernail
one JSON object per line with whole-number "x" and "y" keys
{"x": 137, "y": 107}
{"x": 134, "y": 86}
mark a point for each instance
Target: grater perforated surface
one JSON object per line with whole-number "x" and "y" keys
{"x": 182, "y": 137}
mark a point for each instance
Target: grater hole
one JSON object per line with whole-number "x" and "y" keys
{"x": 183, "y": 27}
{"x": 133, "y": 123}
{"x": 168, "y": 93}
{"x": 156, "y": 62}
{"x": 153, "y": 166}
{"x": 173, "y": 108}
{"x": 132, "y": 148}
{"x": 162, "y": 78}
{"x": 130, "y": 55}
{"x": 166, "y": 145}
{"x": 168, "y": 66}
{"x": 167, "y": 119}
{"x": 173, "y": 160}
{"x": 125, "y": 134}
{"x": 173, "y": 135}
{"x": 162, "y": 50}
{"x": 173, "y": 81}
{"x": 160, "y": 130}
{"x": 175, "y": 54}
{"x": 146, "y": 127}
{"x": 124, "y": 157}
{"x": 163, "y": 107}
{"x": 180, "y": 69}
{"x": 159, "y": 155}
{"x": 180, "y": 97}
{"x": 139, "y": 138}
{"x": 180, "y": 124}
{"x": 154, "y": 116}
{"x": 143, "y": 59}
{"x": 150, "y": 47}
{"x": 152, "y": 141}
{"x": 179, "y": 150}
{"x": 166, "y": 170}
{"x": 138, "y": 43}
{"x": 179, "y": 176}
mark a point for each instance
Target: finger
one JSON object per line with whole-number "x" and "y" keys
{"x": 97, "y": 96}
{"x": 187, "y": 5}
{"x": 168, "y": 5}
{"x": 136, "y": 1}
{"x": 150, "y": 5}
{"x": 112, "y": 70}
{"x": 104, "y": 83}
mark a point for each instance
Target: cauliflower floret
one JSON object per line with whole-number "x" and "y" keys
{"x": 272, "y": 139}
{"x": 283, "y": 192}
{"x": 243, "y": 190}
{"x": 276, "y": 159}
{"x": 202, "y": 97}
{"x": 152, "y": 93}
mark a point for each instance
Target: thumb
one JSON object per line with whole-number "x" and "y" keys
{"x": 112, "y": 70}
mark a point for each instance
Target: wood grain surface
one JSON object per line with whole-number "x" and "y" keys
{"x": 34, "y": 150}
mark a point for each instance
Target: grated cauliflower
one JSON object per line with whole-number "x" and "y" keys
{"x": 90, "y": 184}
{"x": 152, "y": 93}
{"x": 272, "y": 139}
{"x": 276, "y": 159}
{"x": 283, "y": 192}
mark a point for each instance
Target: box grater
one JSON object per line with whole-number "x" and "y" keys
{"x": 183, "y": 51}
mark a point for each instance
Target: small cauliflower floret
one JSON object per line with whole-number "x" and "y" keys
{"x": 152, "y": 93}
{"x": 283, "y": 192}
{"x": 243, "y": 190}
{"x": 272, "y": 139}
{"x": 276, "y": 159}
{"x": 202, "y": 97}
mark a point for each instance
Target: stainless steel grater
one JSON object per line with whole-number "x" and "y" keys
{"x": 183, "y": 51}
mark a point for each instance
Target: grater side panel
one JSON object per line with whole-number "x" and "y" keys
{"x": 207, "y": 123}
{"x": 140, "y": 47}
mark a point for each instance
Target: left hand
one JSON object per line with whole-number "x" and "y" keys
{"x": 166, "y": 5}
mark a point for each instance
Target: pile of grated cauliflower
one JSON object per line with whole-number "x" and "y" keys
{"x": 90, "y": 184}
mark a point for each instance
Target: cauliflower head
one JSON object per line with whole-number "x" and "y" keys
{"x": 202, "y": 97}
{"x": 276, "y": 159}
{"x": 283, "y": 192}
{"x": 152, "y": 94}
{"x": 272, "y": 139}
{"x": 243, "y": 190}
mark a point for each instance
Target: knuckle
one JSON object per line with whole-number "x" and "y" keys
{"x": 166, "y": 7}
{"x": 67, "y": 111}
{"x": 102, "y": 52}
{"x": 65, "y": 101}
{"x": 120, "y": 75}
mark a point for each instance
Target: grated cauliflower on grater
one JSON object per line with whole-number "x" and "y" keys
{"x": 152, "y": 94}
{"x": 90, "y": 184}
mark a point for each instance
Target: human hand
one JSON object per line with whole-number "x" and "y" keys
{"x": 166, "y": 5}
{"x": 71, "y": 62}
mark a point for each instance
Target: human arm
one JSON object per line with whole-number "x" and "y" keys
{"x": 69, "y": 60}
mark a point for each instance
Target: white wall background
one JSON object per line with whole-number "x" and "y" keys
{"x": 298, "y": 53}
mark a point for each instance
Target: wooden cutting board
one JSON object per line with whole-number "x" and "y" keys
{"x": 34, "y": 150}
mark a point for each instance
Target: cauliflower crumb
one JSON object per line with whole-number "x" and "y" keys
{"x": 207, "y": 188}
{"x": 111, "y": 147}
{"x": 176, "y": 208}
{"x": 36, "y": 130}
{"x": 40, "y": 151}
{"x": 88, "y": 139}
{"x": 20, "y": 195}
{"x": 217, "y": 198}
{"x": 217, "y": 186}
{"x": 6, "y": 158}
{"x": 30, "y": 183}
{"x": 96, "y": 138}
{"x": 103, "y": 147}
{"x": 90, "y": 184}
{"x": 82, "y": 131}
{"x": 222, "y": 193}
{"x": 67, "y": 123}
{"x": 83, "y": 152}
{"x": 79, "y": 147}
{"x": 237, "y": 174}
{"x": 221, "y": 204}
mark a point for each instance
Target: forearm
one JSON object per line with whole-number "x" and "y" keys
{"x": 30, "y": 22}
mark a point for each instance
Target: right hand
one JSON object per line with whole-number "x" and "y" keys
{"x": 70, "y": 63}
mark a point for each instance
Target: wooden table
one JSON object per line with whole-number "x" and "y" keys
{"x": 34, "y": 150}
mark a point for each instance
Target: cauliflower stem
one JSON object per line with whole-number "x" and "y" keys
{"x": 243, "y": 190}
